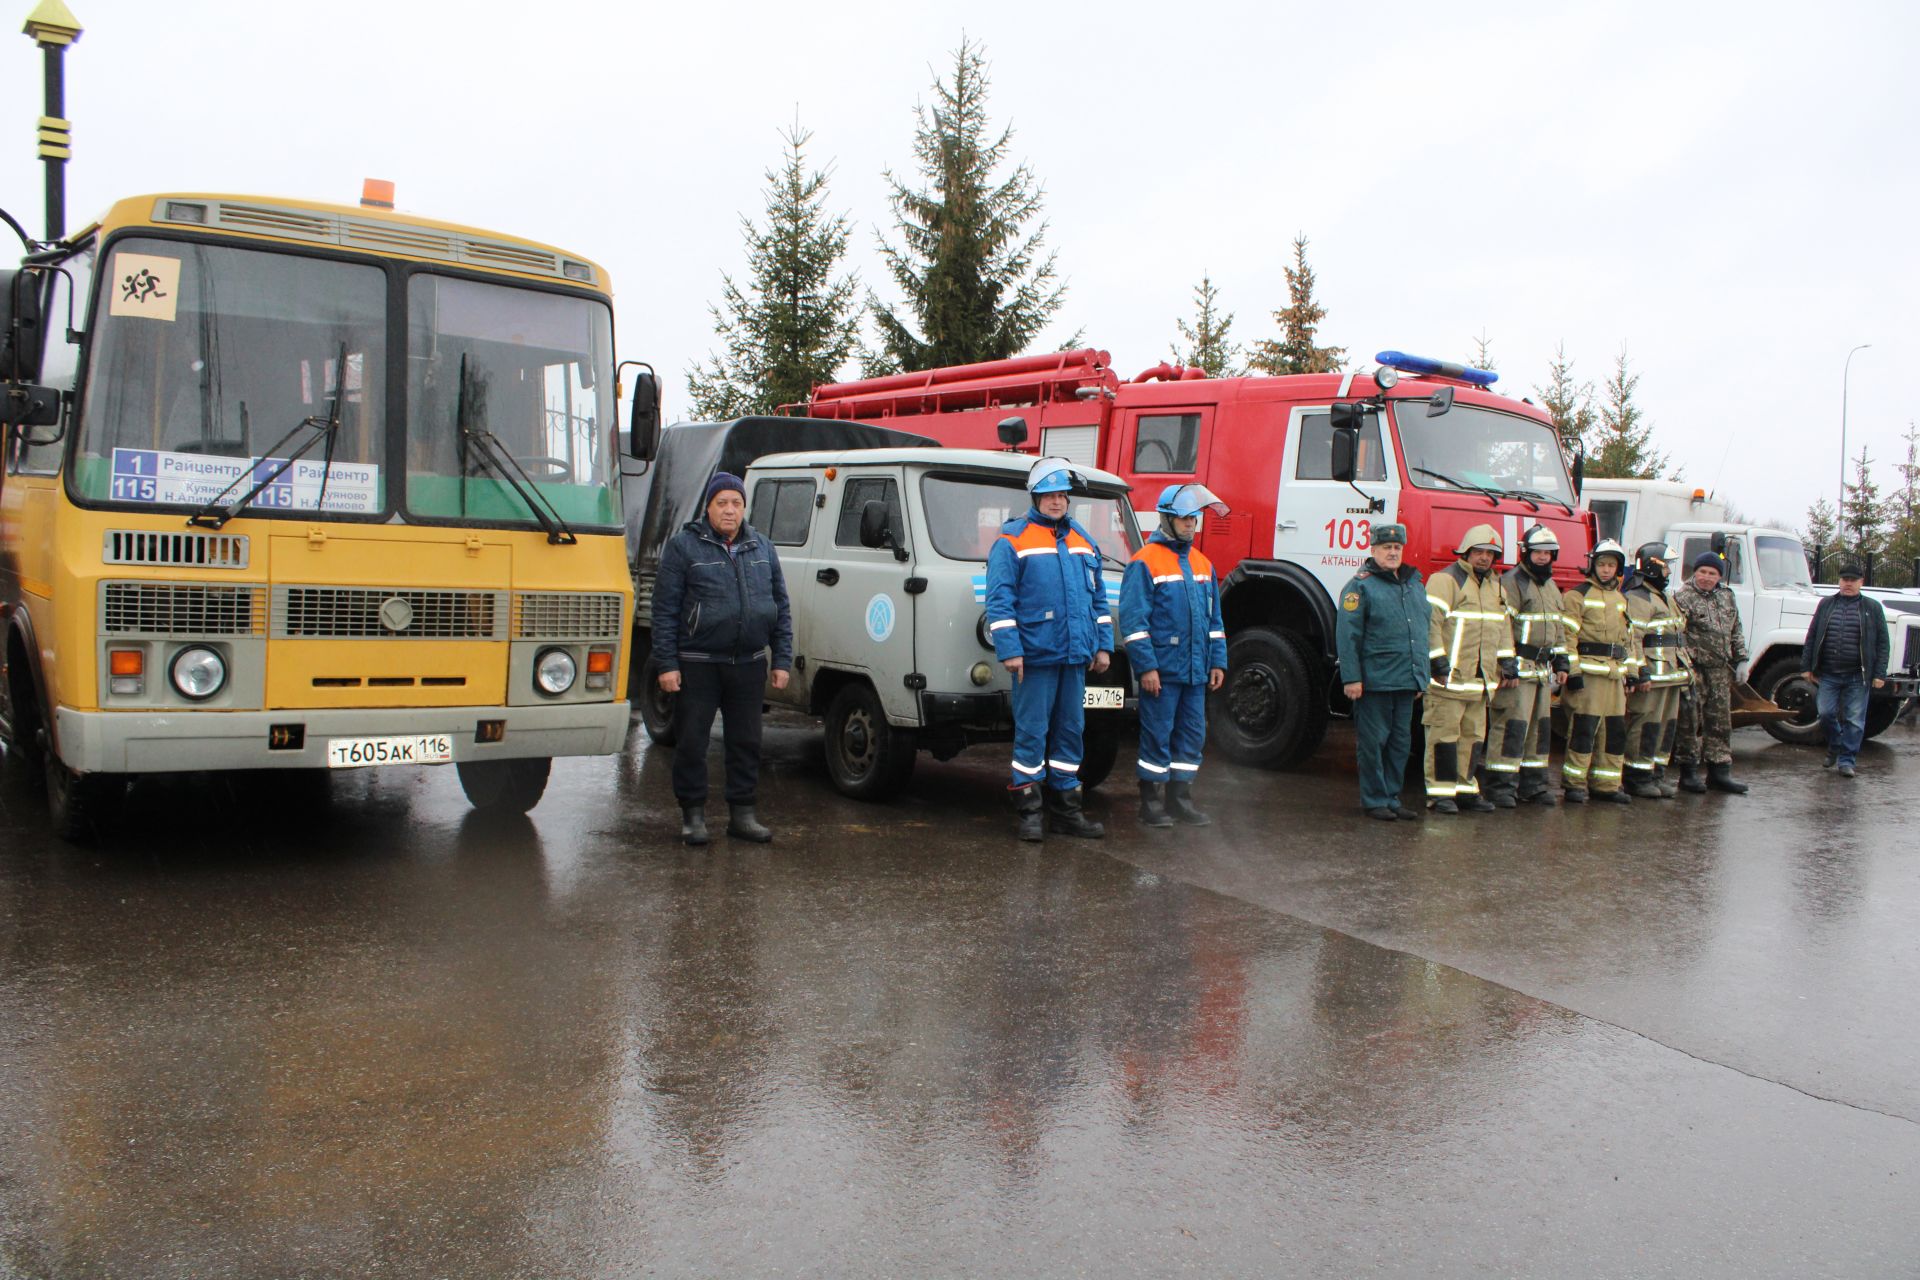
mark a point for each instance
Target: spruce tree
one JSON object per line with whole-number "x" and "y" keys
{"x": 1568, "y": 401}
{"x": 1903, "y": 538}
{"x": 975, "y": 282}
{"x": 1821, "y": 538}
{"x": 1207, "y": 344}
{"x": 795, "y": 323}
{"x": 1299, "y": 323}
{"x": 1863, "y": 518}
{"x": 1625, "y": 440}
{"x": 1482, "y": 352}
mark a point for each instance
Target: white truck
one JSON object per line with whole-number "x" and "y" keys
{"x": 1767, "y": 572}
{"x": 883, "y": 539}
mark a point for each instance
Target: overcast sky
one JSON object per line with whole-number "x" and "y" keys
{"x": 1729, "y": 191}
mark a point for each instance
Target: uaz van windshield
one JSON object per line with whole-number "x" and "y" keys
{"x": 964, "y": 515}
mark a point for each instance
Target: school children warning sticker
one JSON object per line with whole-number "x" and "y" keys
{"x": 145, "y": 286}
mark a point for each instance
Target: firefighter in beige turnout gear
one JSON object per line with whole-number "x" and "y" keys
{"x": 1605, "y": 654}
{"x": 1522, "y": 729}
{"x": 1470, "y": 653}
{"x": 1664, "y": 672}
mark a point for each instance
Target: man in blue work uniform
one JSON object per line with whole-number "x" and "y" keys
{"x": 1047, "y": 614}
{"x": 1382, "y": 635}
{"x": 1177, "y": 643}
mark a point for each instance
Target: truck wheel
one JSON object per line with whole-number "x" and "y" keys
{"x": 1272, "y": 709}
{"x": 1781, "y": 683}
{"x": 77, "y": 803}
{"x": 656, "y": 706}
{"x": 1099, "y": 748}
{"x": 504, "y": 786}
{"x": 1881, "y": 713}
{"x": 867, "y": 758}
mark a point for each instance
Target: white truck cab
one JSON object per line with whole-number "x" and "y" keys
{"x": 1767, "y": 573}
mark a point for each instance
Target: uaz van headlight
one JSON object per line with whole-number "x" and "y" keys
{"x": 198, "y": 673}
{"x": 554, "y": 671}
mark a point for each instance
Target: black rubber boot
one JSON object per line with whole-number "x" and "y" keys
{"x": 1641, "y": 786}
{"x": 1612, "y": 797}
{"x": 1720, "y": 778}
{"x": 1534, "y": 788}
{"x": 1691, "y": 781}
{"x": 1444, "y": 804}
{"x": 1669, "y": 788}
{"x": 1068, "y": 818}
{"x": 1575, "y": 795}
{"x": 741, "y": 822}
{"x": 1405, "y": 814}
{"x": 1026, "y": 803}
{"x": 1180, "y": 805}
{"x": 693, "y": 824}
{"x": 1152, "y": 812}
{"x": 1504, "y": 793}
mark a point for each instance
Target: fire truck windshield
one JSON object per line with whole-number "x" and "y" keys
{"x": 964, "y": 515}
{"x": 1474, "y": 448}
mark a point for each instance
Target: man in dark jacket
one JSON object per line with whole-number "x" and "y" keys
{"x": 1846, "y": 648}
{"x": 1382, "y": 636}
{"x": 720, "y": 619}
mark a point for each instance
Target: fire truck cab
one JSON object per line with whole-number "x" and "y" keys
{"x": 1308, "y": 464}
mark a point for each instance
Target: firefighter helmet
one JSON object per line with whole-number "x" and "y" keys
{"x": 1608, "y": 547}
{"x": 1189, "y": 500}
{"x": 1482, "y": 537}
{"x": 1653, "y": 559}
{"x": 1539, "y": 538}
{"x": 1052, "y": 475}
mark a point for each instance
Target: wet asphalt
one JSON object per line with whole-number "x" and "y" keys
{"x": 259, "y": 1031}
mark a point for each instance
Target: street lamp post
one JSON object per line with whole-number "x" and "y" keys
{"x": 53, "y": 27}
{"x": 1840, "y": 507}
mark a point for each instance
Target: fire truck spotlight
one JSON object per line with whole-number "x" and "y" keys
{"x": 1386, "y": 377}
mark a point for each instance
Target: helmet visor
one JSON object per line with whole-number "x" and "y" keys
{"x": 1191, "y": 500}
{"x": 1053, "y": 475}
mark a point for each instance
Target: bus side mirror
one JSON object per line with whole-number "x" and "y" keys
{"x": 1344, "y": 447}
{"x": 1441, "y": 401}
{"x": 24, "y": 405}
{"x": 643, "y": 430}
{"x": 1013, "y": 431}
{"x": 19, "y": 324}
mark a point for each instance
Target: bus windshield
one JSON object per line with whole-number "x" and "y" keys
{"x": 1470, "y": 447}
{"x": 533, "y": 371}
{"x": 964, "y": 515}
{"x": 207, "y": 361}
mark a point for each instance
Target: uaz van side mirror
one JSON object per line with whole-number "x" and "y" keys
{"x": 875, "y": 531}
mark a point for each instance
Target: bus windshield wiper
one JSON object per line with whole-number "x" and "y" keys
{"x": 1492, "y": 496}
{"x": 1539, "y": 498}
{"x": 479, "y": 441}
{"x": 211, "y": 515}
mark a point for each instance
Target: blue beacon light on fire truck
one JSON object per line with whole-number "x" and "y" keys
{"x": 1438, "y": 368}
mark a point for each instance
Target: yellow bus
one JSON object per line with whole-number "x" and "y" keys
{"x": 299, "y": 486}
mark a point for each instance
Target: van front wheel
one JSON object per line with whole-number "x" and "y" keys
{"x": 867, "y": 758}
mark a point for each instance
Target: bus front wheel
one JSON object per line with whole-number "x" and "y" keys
{"x": 504, "y": 786}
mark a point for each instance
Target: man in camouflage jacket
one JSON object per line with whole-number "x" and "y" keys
{"x": 1716, "y": 647}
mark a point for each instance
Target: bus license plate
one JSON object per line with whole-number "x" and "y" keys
{"x": 418, "y": 748}
{"x": 1105, "y": 697}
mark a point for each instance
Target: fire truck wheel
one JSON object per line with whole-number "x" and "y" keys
{"x": 655, "y": 707}
{"x": 1780, "y": 683}
{"x": 1273, "y": 708}
{"x": 1099, "y": 748}
{"x": 867, "y": 758}
{"x": 504, "y": 786}
{"x": 1881, "y": 713}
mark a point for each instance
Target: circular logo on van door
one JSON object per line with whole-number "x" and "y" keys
{"x": 880, "y": 617}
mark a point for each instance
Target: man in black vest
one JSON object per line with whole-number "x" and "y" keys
{"x": 1846, "y": 649}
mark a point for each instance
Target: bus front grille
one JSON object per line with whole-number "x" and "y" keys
{"x": 202, "y": 550}
{"x": 387, "y": 613}
{"x": 181, "y": 609}
{"x": 566, "y": 615}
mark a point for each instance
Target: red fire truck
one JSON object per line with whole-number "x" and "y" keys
{"x": 1308, "y": 463}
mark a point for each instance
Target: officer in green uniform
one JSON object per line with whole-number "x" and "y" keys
{"x": 1382, "y": 637}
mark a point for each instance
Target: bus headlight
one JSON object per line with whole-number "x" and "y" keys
{"x": 198, "y": 673}
{"x": 554, "y": 671}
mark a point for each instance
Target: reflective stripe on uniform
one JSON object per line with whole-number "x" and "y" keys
{"x": 1186, "y": 768}
{"x": 1004, "y": 622}
{"x": 1152, "y": 768}
{"x": 1064, "y": 767}
{"x": 1024, "y": 552}
{"x": 1138, "y": 635}
{"x": 1497, "y": 767}
{"x": 1030, "y": 768}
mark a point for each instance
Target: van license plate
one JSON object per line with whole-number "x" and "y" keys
{"x": 1105, "y": 697}
{"x": 418, "y": 748}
